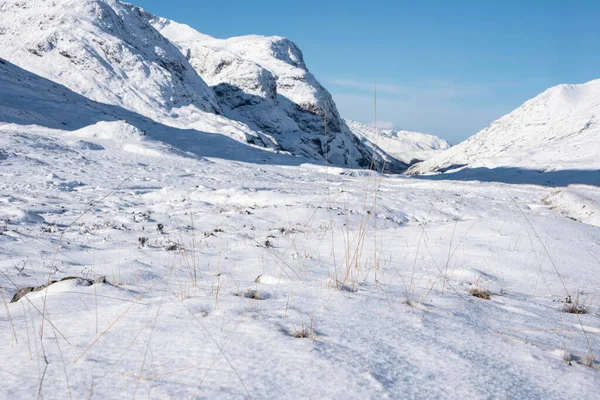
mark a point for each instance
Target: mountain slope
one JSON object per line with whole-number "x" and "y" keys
{"x": 264, "y": 82}
{"x": 557, "y": 130}
{"x": 405, "y": 146}
{"x": 28, "y": 101}
{"x": 104, "y": 50}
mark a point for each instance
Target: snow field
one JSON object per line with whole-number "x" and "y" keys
{"x": 251, "y": 256}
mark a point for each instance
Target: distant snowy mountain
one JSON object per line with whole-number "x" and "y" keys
{"x": 558, "y": 130}
{"x": 264, "y": 82}
{"x": 406, "y": 146}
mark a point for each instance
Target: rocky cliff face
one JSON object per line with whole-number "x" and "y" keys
{"x": 264, "y": 82}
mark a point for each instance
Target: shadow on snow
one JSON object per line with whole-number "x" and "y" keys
{"x": 515, "y": 175}
{"x": 28, "y": 99}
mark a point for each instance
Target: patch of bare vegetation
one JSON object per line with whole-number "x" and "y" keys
{"x": 305, "y": 331}
{"x": 481, "y": 293}
{"x": 575, "y": 306}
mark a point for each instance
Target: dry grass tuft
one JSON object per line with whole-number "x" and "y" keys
{"x": 587, "y": 360}
{"x": 575, "y": 306}
{"x": 481, "y": 293}
{"x": 256, "y": 295}
{"x": 172, "y": 246}
{"x": 305, "y": 332}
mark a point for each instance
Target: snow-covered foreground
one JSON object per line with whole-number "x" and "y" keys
{"x": 378, "y": 285}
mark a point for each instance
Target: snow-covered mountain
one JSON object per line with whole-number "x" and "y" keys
{"x": 558, "y": 130}
{"x": 406, "y": 146}
{"x": 110, "y": 52}
{"x": 106, "y": 51}
{"x": 103, "y": 53}
{"x": 263, "y": 81}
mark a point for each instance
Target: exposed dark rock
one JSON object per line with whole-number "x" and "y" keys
{"x": 83, "y": 281}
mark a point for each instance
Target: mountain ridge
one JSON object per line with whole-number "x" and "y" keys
{"x": 264, "y": 82}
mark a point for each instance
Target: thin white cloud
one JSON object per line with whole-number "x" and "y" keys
{"x": 452, "y": 110}
{"x": 442, "y": 90}
{"x": 384, "y": 124}
{"x": 366, "y": 86}
{"x": 432, "y": 89}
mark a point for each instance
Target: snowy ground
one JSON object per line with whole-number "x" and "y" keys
{"x": 377, "y": 270}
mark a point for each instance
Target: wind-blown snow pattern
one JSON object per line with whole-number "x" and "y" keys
{"x": 263, "y": 81}
{"x": 408, "y": 147}
{"x": 558, "y": 130}
{"x": 104, "y": 50}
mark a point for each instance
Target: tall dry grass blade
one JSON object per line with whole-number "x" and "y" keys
{"x": 62, "y": 360}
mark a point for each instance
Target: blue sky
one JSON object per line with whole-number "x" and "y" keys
{"x": 442, "y": 67}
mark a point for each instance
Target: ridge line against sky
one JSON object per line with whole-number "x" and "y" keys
{"x": 447, "y": 68}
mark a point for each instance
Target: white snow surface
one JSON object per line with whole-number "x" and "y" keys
{"x": 405, "y": 146}
{"x": 205, "y": 308}
{"x": 558, "y": 130}
{"x": 577, "y": 203}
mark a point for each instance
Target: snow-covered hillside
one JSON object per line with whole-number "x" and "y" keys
{"x": 406, "y": 146}
{"x": 559, "y": 130}
{"x": 263, "y": 81}
{"x": 28, "y": 99}
{"x": 106, "y": 51}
